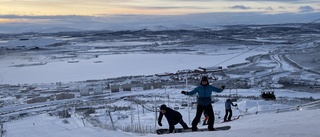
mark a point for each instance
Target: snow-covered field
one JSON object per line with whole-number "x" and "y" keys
{"x": 287, "y": 124}
{"x": 95, "y": 60}
{"x": 110, "y": 67}
{"x": 267, "y": 122}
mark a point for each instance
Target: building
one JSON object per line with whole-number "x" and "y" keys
{"x": 62, "y": 96}
{"x": 126, "y": 87}
{"x": 115, "y": 88}
{"x": 98, "y": 90}
{"x": 84, "y": 91}
{"x": 147, "y": 86}
{"x": 37, "y": 100}
{"x": 157, "y": 85}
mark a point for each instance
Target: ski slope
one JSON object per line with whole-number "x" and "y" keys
{"x": 287, "y": 124}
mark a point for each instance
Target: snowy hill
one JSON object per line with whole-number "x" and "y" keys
{"x": 89, "y": 64}
{"x": 267, "y": 122}
{"x": 287, "y": 124}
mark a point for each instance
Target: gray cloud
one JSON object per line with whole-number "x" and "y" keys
{"x": 282, "y": 7}
{"x": 240, "y": 7}
{"x": 267, "y": 9}
{"x": 306, "y": 9}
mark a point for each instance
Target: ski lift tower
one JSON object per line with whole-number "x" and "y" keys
{"x": 233, "y": 96}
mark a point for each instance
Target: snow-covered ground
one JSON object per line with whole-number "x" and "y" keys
{"x": 110, "y": 66}
{"x": 267, "y": 122}
{"x": 287, "y": 124}
{"x": 30, "y": 67}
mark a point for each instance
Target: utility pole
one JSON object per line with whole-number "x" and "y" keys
{"x": 138, "y": 118}
{"x": 131, "y": 110}
{"x": 84, "y": 124}
{"x": 188, "y": 100}
{"x": 168, "y": 99}
{"x": 156, "y": 111}
{"x": 108, "y": 111}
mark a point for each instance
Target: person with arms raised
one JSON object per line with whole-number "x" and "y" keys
{"x": 204, "y": 91}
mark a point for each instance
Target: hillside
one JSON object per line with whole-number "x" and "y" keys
{"x": 287, "y": 124}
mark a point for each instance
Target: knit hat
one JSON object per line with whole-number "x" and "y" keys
{"x": 163, "y": 107}
{"x": 204, "y": 78}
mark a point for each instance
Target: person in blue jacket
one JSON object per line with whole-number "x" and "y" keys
{"x": 173, "y": 118}
{"x": 204, "y": 91}
{"x": 228, "y": 105}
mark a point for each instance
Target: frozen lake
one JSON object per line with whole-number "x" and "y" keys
{"x": 109, "y": 66}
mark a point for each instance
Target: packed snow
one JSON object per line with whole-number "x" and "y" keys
{"x": 295, "y": 123}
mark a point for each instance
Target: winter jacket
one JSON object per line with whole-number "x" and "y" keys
{"x": 204, "y": 93}
{"x": 173, "y": 117}
{"x": 228, "y": 104}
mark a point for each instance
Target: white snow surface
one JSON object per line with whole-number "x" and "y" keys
{"x": 110, "y": 67}
{"x": 288, "y": 124}
{"x": 270, "y": 124}
{"x": 295, "y": 123}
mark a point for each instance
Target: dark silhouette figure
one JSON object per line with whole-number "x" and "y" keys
{"x": 173, "y": 118}
{"x": 228, "y": 115}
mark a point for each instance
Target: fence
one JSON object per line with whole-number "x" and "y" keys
{"x": 136, "y": 128}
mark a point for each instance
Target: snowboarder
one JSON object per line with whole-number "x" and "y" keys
{"x": 173, "y": 118}
{"x": 204, "y": 91}
{"x": 228, "y": 105}
{"x": 205, "y": 119}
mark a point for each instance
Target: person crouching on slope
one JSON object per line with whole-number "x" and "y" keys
{"x": 173, "y": 118}
{"x": 204, "y": 91}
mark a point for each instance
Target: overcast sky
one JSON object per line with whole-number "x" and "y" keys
{"x": 69, "y": 13}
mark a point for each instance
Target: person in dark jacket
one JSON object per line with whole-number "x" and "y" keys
{"x": 228, "y": 105}
{"x": 173, "y": 118}
{"x": 204, "y": 91}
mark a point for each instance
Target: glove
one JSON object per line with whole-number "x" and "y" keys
{"x": 183, "y": 92}
{"x": 159, "y": 123}
{"x": 223, "y": 87}
{"x": 236, "y": 105}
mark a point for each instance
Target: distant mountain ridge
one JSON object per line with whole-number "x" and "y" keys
{"x": 153, "y": 22}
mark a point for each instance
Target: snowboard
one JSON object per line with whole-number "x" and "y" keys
{"x": 181, "y": 130}
{"x": 231, "y": 120}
